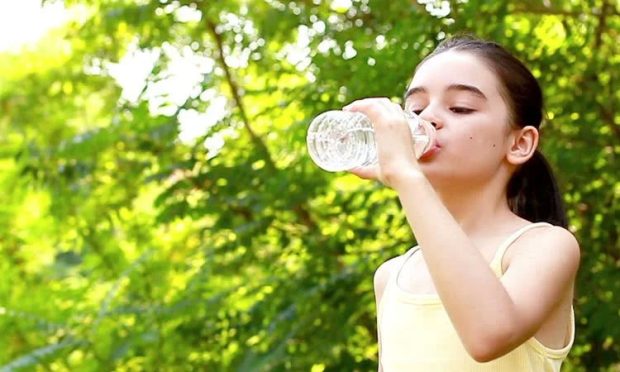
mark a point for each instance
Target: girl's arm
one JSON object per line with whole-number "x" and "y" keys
{"x": 491, "y": 316}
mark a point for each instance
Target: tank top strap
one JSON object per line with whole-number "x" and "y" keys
{"x": 410, "y": 253}
{"x": 407, "y": 256}
{"x": 392, "y": 282}
{"x": 496, "y": 262}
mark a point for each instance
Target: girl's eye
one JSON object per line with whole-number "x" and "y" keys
{"x": 415, "y": 108}
{"x": 461, "y": 110}
{"x": 415, "y": 111}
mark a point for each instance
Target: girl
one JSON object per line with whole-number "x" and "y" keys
{"x": 490, "y": 286}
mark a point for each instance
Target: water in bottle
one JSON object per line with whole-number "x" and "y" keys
{"x": 343, "y": 140}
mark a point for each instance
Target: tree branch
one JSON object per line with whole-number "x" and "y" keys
{"x": 541, "y": 9}
{"x": 234, "y": 89}
{"x": 606, "y": 114}
{"x": 301, "y": 210}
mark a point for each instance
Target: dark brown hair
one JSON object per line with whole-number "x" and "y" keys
{"x": 532, "y": 190}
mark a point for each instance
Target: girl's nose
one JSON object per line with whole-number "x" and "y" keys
{"x": 434, "y": 120}
{"x": 430, "y": 114}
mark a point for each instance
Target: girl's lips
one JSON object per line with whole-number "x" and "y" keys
{"x": 431, "y": 152}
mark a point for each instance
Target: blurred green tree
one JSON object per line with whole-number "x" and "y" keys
{"x": 159, "y": 211}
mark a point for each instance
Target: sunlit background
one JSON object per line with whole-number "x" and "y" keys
{"x": 24, "y": 23}
{"x": 158, "y": 207}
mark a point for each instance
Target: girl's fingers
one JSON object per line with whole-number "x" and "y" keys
{"x": 367, "y": 173}
{"x": 391, "y": 133}
{"x": 380, "y": 111}
{"x": 365, "y": 104}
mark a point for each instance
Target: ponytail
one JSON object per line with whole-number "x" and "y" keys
{"x": 533, "y": 193}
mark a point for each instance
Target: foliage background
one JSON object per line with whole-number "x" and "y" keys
{"x": 182, "y": 226}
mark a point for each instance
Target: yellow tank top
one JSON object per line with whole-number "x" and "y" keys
{"x": 417, "y": 335}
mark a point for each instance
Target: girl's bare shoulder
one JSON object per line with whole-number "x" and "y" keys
{"x": 553, "y": 243}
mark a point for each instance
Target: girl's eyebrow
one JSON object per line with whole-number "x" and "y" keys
{"x": 452, "y": 87}
{"x": 467, "y": 88}
{"x": 412, "y": 91}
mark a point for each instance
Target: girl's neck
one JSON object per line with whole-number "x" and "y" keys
{"x": 478, "y": 208}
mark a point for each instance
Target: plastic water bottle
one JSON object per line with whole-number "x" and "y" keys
{"x": 343, "y": 140}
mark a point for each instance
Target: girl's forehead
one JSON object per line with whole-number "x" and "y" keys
{"x": 455, "y": 67}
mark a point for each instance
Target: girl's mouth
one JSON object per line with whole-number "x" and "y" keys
{"x": 431, "y": 152}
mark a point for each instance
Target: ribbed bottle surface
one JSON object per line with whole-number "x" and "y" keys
{"x": 343, "y": 140}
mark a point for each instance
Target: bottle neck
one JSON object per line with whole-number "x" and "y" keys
{"x": 423, "y": 133}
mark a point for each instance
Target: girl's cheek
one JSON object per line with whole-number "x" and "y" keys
{"x": 471, "y": 138}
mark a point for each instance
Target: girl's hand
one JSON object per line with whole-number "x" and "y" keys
{"x": 395, "y": 148}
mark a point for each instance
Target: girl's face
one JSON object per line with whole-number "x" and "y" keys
{"x": 458, "y": 93}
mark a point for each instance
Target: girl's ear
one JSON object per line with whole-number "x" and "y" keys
{"x": 524, "y": 143}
